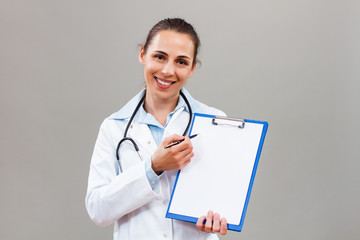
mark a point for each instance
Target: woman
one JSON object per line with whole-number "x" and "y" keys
{"x": 134, "y": 192}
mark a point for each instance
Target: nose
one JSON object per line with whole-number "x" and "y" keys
{"x": 168, "y": 69}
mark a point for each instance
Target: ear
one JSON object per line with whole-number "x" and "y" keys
{"x": 142, "y": 55}
{"x": 193, "y": 69}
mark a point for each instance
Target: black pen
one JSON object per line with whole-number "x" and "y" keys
{"x": 177, "y": 142}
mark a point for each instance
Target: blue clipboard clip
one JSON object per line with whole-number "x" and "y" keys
{"x": 237, "y": 120}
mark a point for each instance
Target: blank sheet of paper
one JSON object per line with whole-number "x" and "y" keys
{"x": 220, "y": 174}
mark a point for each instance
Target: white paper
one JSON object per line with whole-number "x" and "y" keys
{"x": 218, "y": 176}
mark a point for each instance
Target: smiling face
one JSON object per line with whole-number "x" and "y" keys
{"x": 168, "y": 63}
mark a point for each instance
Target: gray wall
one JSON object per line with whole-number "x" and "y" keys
{"x": 66, "y": 65}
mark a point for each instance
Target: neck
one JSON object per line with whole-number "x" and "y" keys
{"x": 160, "y": 108}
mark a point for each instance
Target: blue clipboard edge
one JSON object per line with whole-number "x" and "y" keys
{"x": 232, "y": 227}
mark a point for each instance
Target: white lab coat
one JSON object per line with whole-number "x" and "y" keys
{"x": 127, "y": 198}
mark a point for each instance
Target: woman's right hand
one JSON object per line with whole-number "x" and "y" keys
{"x": 173, "y": 158}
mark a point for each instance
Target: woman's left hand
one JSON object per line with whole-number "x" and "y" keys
{"x": 213, "y": 224}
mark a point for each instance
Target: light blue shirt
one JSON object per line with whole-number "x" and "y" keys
{"x": 157, "y": 131}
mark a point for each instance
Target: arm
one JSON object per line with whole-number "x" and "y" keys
{"x": 110, "y": 195}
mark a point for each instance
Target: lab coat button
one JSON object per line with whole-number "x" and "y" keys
{"x": 153, "y": 182}
{"x": 164, "y": 202}
{"x": 149, "y": 142}
{"x": 165, "y": 236}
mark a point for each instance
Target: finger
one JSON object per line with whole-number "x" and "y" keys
{"x": 186, "y": 154}
{"x": 187, "y": 159}
{"x": 200, "y": 223}
{"x": 185, "y": 163}
{"x": 172, "y": 138}
{"x": 180, "y": 150}
{"x": 185, "y": 148}
{"x": 184, "y": 145}
{"x": 223, "y": 227}
{"x": 175, "y": 144}
{"x": 208, "y": 224}
{"x": 216, "y": 223}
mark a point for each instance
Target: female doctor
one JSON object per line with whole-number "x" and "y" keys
{"x": 131, "y": 173}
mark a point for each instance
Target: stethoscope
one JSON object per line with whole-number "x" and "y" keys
{"x": 125, "y": 138}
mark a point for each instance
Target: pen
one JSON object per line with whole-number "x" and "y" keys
{"x": 177, "y": 142}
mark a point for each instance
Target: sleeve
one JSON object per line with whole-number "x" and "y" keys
{"x": 111, "y": 195}
{"x": 152, "y": 177}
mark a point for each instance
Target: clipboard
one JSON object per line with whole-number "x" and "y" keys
{"x": 220, "y": 176}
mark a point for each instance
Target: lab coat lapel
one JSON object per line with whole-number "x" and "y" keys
{"x": 177, "y": 123}
{"x": 142, "y": 135}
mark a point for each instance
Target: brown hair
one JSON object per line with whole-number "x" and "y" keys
{"x": 174, "y": 24}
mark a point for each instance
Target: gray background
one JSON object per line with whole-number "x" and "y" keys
{"x": 66, "y": 65}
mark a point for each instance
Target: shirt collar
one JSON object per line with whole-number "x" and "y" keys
{"x": 129, "y": 108}
{"x": 143, "y": 117}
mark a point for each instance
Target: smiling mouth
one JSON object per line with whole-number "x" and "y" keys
{"x": 164, "y": 83}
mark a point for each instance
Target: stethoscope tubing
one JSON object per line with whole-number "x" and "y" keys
{"x": 125, "y": 138}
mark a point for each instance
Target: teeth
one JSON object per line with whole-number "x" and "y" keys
{"x": 163, "y": 83}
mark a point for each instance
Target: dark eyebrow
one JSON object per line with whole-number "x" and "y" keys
{"x": 164, "y": 53}
{"x": 183, "y": 56}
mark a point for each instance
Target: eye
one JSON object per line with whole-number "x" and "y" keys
{"x": 159, "y": 57}
{"x": 183, "y": 62}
